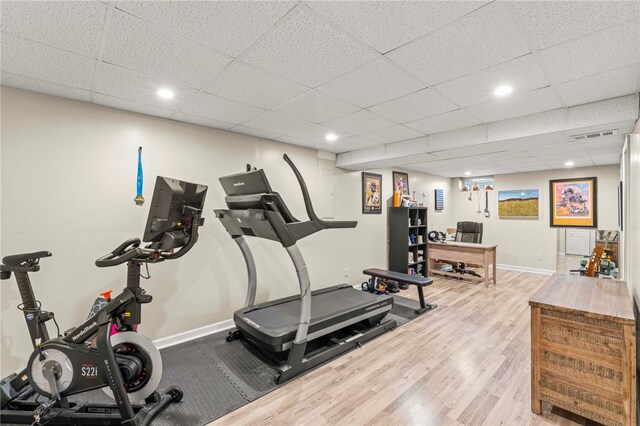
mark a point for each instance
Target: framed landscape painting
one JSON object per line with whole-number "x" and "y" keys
{"x": 574, "y": 202}
{"x": 371, "y": 193}
{"x": 519, "y": 203}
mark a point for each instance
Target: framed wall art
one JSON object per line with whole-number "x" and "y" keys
{"x": 401, "y": 182}
{"x": 371, "y": 193}
{"x": 519, "y": 203}
{"x": 574, "y": 202}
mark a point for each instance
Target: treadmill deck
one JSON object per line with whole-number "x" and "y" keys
{"x": 273, "y": 324}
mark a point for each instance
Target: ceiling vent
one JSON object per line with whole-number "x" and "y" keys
{"x": 589, "y": 136}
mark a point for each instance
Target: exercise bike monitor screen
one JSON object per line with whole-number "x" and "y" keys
{"x": 172, "y": 208}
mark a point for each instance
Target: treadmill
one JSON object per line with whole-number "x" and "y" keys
{"x": 304, "y": 330}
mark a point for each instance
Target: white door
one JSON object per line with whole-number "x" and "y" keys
{"x": 578, "y": 241}
{"x": 327, "y": 183}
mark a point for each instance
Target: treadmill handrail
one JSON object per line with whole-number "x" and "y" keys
{"x": 309, "y": 206}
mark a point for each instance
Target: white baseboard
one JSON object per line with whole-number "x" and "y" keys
{"x": 196, "y": 333}
{"x": 525, "y": 269}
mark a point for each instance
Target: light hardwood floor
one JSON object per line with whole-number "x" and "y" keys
{"x": 467, "y": 362}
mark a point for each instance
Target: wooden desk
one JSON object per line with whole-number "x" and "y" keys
{"x": 478, "y": 254}
{"x": 583, "y": 348}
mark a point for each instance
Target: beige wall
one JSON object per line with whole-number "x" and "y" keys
{"x": 68, "y": 180}
{"x": 520, "y": 241}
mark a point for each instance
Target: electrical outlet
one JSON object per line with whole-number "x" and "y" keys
{"x": 539, "y": 257}
{"x": 346, "y": 272}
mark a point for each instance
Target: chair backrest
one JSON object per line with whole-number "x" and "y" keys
{"x": 469, "y": 232}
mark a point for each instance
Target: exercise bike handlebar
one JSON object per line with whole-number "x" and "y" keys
{"x": 125, "y": 252}
{"x": 309, "y": 206}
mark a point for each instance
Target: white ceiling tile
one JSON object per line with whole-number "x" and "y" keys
{"x": 201, "y": 121}
{"x": 227, "y": 26}
{"x": 481, "y": 39}
{"x": 517, "y": 105}
{"x": 606, "y": 50}
{"x": 294, "y": 141}
{"x": 372, "y": 83}
{"x": 523, "y": 74}
{"x": 441, "y": 123}
{"x": 502, "y": 157}
{"x": 124, "y": 84}
{"x": 142, "y": 47}
{"x": 316, "y": 134}
{"x": 610, "y": 84}
{"x": 552, "y": 22}
{"x": 21, "y": 82}
{"x": 354, "y": 142}
{"x": 522, "y": 159}
{"x": 421, "y": 104}
{"x": 217, "y": 108}
{"x": 387, "y": 25}
{"x": 531, "y": 168}
{"x": 75, "y": 26}
{"x": 250, "y": 85}
{"x": 359, "y": 122}
{"x": 306, "y": 49}
{"x": 255, "y": 132}
{"x": 392, "y": 134}
{"x": 316, "y": 107}
{"x": 131, "y": 106}
{"x": 276, "y": 123}
{"x": 35, "y": 60}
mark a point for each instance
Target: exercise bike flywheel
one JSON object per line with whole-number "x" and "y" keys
{"x": 142, "y": 384}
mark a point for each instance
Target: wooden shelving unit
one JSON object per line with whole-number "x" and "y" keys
{"x": 403, "y": 223}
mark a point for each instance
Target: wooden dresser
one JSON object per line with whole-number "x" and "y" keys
{"x": 583, "y": 349}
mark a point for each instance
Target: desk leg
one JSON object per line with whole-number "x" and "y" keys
{"x": 494, "y": 267}
{"x": 429, "y": 266}
{"x": 536, "y": 400}
{"x": 486, "y": 268}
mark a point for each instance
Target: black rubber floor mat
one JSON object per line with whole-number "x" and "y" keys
{"x": 218, "y": 377}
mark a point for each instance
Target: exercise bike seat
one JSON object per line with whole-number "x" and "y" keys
{"x": 18, "y": 259}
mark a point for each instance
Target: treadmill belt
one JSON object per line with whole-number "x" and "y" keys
{"x": 218, "y": 377}
{"x": 284, "y": 317}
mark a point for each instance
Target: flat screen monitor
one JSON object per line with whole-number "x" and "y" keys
{"x": 167, "y": 214}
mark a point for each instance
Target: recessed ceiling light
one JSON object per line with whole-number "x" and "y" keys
{"x": 331, "y": 137}
{"x": 467, "y": 173}
{"x": 503, "y": 90}
{"x": 165, "y": 93}
{"x": 569, "y": 163}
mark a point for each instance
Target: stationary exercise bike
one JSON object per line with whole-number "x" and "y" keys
{"x": 105, "y": 351}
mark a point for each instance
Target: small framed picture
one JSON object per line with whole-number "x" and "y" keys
{"x": 439, "y": 199}
{"x": 401, "y": 182}
{"x": 574, "y": 202}
{"x": 371, "y": 193}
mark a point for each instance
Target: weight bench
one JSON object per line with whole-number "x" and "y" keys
{"x": 419, "y": 282}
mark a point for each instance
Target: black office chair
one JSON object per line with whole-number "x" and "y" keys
{"x": 468, "y": 232}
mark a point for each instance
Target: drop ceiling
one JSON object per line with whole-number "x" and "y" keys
{"x": 401, "y": 83}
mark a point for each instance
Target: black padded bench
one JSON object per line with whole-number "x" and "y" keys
{"x": 419, "y": 282}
